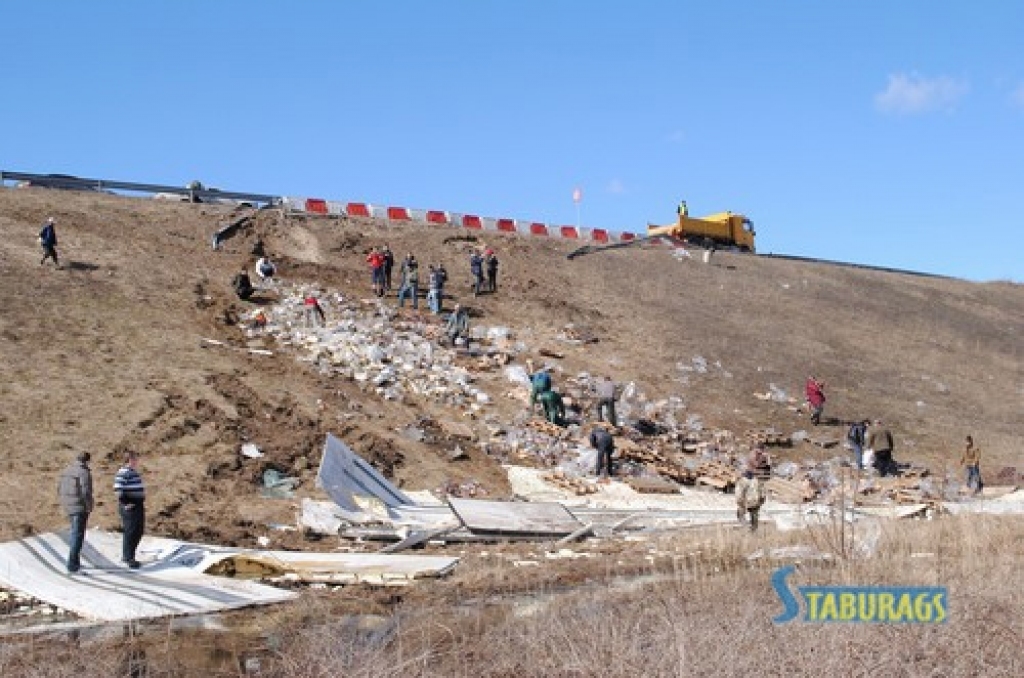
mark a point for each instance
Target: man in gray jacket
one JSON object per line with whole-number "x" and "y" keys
{"x": 75, "y": 493}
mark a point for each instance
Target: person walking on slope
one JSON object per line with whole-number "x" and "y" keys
{"x": 131, "y": 501}
{"x": 491, "y": 263}
{"x": 602, "y": 441}
{"x": 606, "y": 400}
{"x": 476, "y": 267}
{"x": 815, "y": 391}
{"x": 750, "y": 495}
{"x": 48, "y": 241}
{"x": 75, "y": 493}
{"x": 971, "y": 461}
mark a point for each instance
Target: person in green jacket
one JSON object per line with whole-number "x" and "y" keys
{"x": 554, "y": 408}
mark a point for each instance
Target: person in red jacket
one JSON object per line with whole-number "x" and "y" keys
{"x": 376, "y": 261}
{"x": 815, "y": 398}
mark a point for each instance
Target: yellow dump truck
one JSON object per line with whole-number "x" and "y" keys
{"x": 715, "y": 230}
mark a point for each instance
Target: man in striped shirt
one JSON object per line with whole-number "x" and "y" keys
{"x": 131, "y": 499}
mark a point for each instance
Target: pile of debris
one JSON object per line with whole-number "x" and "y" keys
{"x": 397, "y": 356}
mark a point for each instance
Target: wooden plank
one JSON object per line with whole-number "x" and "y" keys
{"x": 416, "y": 538}
{"x": 713, "y": 482}
{"x": 653, "y": 485}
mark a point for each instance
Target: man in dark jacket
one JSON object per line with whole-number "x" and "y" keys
{"x": 388, "y": 264}
{"x": 476, "y": 267}
{"x": 880, "y": 441}
{"x": 492, "y": 271}
{"x": 410, "y": 282}
{"x": 75, "y": 493}
{"x": 243, "y": 285}
{"x": 48, "y": 241}
{"x": 603, "y": 442}
{"x": 131, "y": 500}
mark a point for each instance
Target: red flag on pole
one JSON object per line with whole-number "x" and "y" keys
{"x": 577, "y": 194}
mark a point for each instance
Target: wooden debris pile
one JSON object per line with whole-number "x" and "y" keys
{"x": 577, "y": 486}
{"x": 768, "y": 437}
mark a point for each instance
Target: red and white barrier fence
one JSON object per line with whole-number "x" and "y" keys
{"x": 445, "y": 218}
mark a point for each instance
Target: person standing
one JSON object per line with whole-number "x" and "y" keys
{"x": 856, "y": 436}
{"x": 815, "y": 391}
{"x": 75, "y": 493}
{"x": 131, "y": 506}
{"x": 971, "y": 460}
{"x": 388, "y": 264}
{"x": 435, "y": 291}
{"x": 410, "y": 282}
{"x": 750, "y": 497}
{"x": 682, "y": 210}
{"x": 606, "y": 400}
{"x": 376, "y": 261}
{"x": 492, "y": 271}
{"x": 880, "y": 442}
{"x": 602, "y": 441}
{"x": 48, "y": 241}
{"x": 476, "y": 267}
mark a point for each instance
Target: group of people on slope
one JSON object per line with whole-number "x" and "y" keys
{"x": 873, "y": 445}
{"x": 553, "y": 407}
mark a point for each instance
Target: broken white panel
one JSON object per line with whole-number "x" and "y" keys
{"x": 508, "y": 517}
{"x": 344, "y": 475}
{"x": 108, "y": 591}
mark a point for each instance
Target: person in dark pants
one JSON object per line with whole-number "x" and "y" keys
{"x": 554, "y": 407}
{"x": 48, "y": 241}
{"x": 75, "y": 493}
{"x": 880, "y": 440}
{"x": 389, "y": 264}
{"x": 131, "y": 501}
{"x": 242, "y": 285}
{"x": 476, "y": 267}
{"x": 491, "y": 263}
{"x": 602, "y": 441}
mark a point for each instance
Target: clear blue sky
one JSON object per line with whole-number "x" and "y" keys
{"x": 888, "y": 133}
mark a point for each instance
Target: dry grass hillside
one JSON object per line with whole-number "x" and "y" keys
{"x": 106, "y": 354}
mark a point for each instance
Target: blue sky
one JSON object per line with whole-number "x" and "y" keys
{"x": 887, "y": 133}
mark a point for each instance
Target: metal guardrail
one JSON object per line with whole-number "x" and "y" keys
{"x": 77, "y": 183}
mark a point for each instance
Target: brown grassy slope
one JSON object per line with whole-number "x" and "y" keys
{"x": 105, "y": 354}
